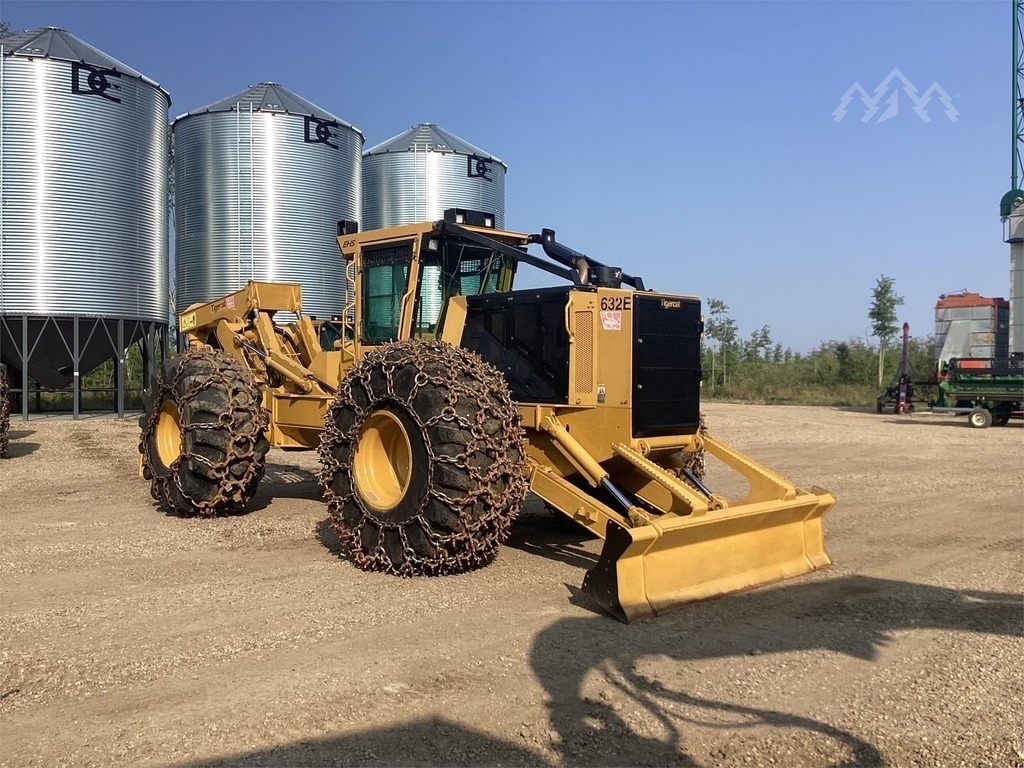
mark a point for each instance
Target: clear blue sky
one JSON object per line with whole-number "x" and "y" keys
{"x": 691, "y": 143}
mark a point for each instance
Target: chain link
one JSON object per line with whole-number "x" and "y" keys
{"x": 238, "y": 467}
{"x": 695, "y": 462}
{"x": 469, "y": 399}
{"x": 5, "y": 411}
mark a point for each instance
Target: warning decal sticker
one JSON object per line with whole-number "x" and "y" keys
{"x": 611, "y": 321}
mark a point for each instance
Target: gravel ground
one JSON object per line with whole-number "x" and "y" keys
{"x": 129, "y": 637}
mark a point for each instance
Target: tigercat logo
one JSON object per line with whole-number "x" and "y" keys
{"x": 671, "y": 304}
{"x": 228, "y": 303}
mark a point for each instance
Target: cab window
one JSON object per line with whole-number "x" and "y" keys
{"x": 385, "y": 277}
{"x": 456, "y": 268}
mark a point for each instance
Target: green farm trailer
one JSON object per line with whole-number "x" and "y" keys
{"x": 989, "y": 391}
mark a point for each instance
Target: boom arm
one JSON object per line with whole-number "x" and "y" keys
{"x": 579, "y": 265}
{"x": 298, "y": 378}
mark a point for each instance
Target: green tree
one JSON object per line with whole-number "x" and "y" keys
{"x": 724, "y": 331}
{"x": 759, "y": 345}
{"x": 882, "y": 314}
{"x": 843, "y": 355}
{"x": 922, "y": 358}
{"x": 5, "y": 29}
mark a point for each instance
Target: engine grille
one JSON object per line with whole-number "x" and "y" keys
{"x": 666, "y": 365}
{"x": 583, "y": 353}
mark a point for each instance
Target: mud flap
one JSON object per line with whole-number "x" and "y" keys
{"x": 652, "y": 568}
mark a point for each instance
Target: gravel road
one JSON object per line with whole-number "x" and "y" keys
{"x": 129, "y": 637}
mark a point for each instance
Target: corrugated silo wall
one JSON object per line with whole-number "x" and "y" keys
{"x": 256, "y": 199}
{"x": 84, "y": 192}
{"x": 413, "y": 186}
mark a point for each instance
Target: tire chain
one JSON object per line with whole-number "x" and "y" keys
{"x": 224, "y": 373}
{"x": 5, "y": 411}
{"x": 465, "y": 378}
{"x": 696, "y": 461}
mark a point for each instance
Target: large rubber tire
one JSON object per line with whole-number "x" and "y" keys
{"x": 422, "y": 460}
{"x": 980, "y": 418}
{"x": 5, "y": 411}
{"x": 202, "y": 444}
{"x": 1001, "y": 415}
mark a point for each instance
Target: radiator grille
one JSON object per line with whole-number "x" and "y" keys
{"x": 666, "y": 365}
{"x": 583, "y": 352}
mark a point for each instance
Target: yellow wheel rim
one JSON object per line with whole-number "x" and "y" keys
{"x": 168, "y": 433}
{"x": 382, "y": 464}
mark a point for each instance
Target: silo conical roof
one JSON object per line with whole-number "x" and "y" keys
{"x": 430, "y": 137}
{"x": 61, "y": 45}
{"x": 270, "y": 97}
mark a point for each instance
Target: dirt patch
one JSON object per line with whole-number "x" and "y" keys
{"x": 133, "y": 638}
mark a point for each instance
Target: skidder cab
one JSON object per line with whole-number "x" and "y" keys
{"x": 445, "y": 395}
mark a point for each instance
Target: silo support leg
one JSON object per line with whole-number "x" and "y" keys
{"x": 25, "y": 355}
{"x": 76, "y": 360}
{"x": 120, "y": 368}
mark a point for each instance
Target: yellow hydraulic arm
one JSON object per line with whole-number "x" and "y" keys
{"x": 682, "y": 542}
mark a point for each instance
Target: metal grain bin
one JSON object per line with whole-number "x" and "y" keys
{"x": 83, "y": 208}
{"x": 416, "y": 175}
{"x": 262, "y": 179}
{"x": 83, "y": 182}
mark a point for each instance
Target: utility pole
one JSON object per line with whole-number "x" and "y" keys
{"x": 1011, "y": 206}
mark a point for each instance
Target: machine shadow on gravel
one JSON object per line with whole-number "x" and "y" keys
{"x": 425, "y": 742}
{"x": 329, "y": 539}
{"x": 280, "y": 481}
{"x": 854, "y": 615}
{"x": 286, "y": 474}
{"x": 551, "y": 535}
{"x": 18, "y": 447}
{"x": 537, "y": 531}
{"x": 950, "y": 422}
{"x": 284, "y": 481}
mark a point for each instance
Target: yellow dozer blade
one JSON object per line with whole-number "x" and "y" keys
{"x": 719, "y": 547}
